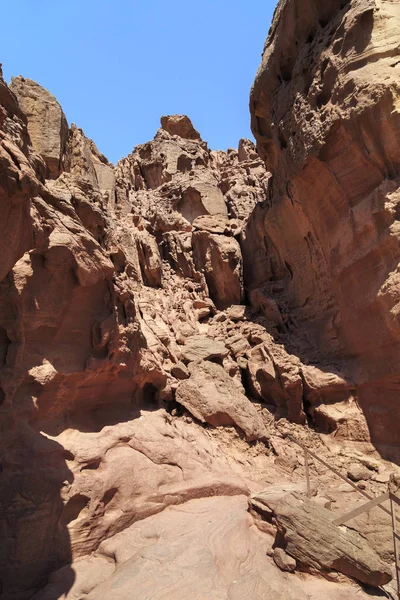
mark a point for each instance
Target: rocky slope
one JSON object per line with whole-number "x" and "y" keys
{"x": 167, "y": 322}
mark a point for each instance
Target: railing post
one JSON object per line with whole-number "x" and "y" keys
{"x": 307, "y": 473}
{"x": 395, "y": 540}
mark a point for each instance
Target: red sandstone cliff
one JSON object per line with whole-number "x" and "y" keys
{"x": 325, "y": 112}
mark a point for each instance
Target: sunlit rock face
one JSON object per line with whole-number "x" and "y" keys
{"x": 325, "y": 112}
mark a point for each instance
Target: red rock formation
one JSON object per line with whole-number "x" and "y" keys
{"x": 121, "y": 287}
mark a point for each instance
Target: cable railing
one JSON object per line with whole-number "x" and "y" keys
{"x": 373, "y": 501}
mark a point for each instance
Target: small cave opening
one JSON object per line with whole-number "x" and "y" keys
{"x": 282, "y": 140}
{"x": 108, "y": 496}
{"x": 150, "y": 395}
{"x": 174, "y": 408}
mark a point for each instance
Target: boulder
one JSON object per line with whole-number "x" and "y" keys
{"x": 266, "y": 501}
{"x": 200, "y": 347}
{"x": 358, "y": 472}
{"x": 283, "y": 561}
{"x": 309, "y": 536}
{"x": 216, "y": 224}
{"x": 211, "y": 396}
{"x": 180, "y": 371}
{"x": 220, "y": 258}
{"x": 201, "y": 198}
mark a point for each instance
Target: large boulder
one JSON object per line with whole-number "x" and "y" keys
{"x": 180, "y": 125}
{"x": 220, "y": 258}
{"x": 211, "y": 396}
{"x": 308, "y": 535}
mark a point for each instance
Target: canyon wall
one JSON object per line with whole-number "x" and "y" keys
{"x": 325, "y": 112}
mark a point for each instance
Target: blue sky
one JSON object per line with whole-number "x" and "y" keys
{"x": 117, "y": 66}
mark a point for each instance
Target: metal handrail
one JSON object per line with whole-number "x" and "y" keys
{"x": 348, "y": 481}
{"x": 372, "y": 502}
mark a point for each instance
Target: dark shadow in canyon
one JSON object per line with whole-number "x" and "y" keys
{"x": 120, "y": 402}
{"x": 35, "y": 538}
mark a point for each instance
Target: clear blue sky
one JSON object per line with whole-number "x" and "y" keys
{"x": 116, "y": 66}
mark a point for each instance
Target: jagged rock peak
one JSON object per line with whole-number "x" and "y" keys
{"x": 180, "y": 125}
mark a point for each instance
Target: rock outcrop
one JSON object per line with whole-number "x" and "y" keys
{"x": 47, "y": 124}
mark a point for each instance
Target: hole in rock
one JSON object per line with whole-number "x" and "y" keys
{"x": 262, "y": 126}
{"x": 282, "y": 140}
{"x": 2, "y": 396}
{"x": 92, "y": 465}
{"x": 184, "y": 164}
{"x": 73, "y": 508}
{"x": 108, "y": 496}
{"x": 366, "y": 25}
{"x": 150, "y": 395}
{"x": 287, "y": 69}
{"x": 172, "y": 406}
{"x": 218, "y": 360}
{"x": 4, "y": 344}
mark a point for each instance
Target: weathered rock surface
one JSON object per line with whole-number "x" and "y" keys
{"x": 283, "y": 561}
{"x": 325, "y": 114}
{"x": 200, "y": 347}
{"x": 311, "y": 538}
{"x": 151, "y": 559}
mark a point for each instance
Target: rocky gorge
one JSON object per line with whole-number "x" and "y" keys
{"x": 171, "y": 324}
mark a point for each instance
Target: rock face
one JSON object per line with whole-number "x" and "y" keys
{"x": 325, "y": 112}
{"x": 47, "y": 125}
{"x": 167, "y": 323}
